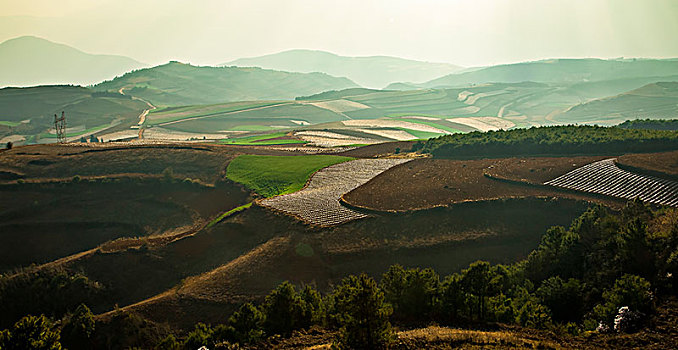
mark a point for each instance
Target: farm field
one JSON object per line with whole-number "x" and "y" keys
{"x": 288, "y": 250}
{"x": 428, "y": 183}
{"x": 318, "y": 203}
{"x": 657, "y": 164}
{"x": 275, "y": 175}
{"x": 604, "y": 177}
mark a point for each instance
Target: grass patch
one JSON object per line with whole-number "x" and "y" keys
{"x": 433, "y": 124}
{"x": 421, "y": 135}
{"x": 228, "y": 213}
{"x": 8, "y": 123}
{"x": 275, "y": 175}
{"x": 267, "y": 139}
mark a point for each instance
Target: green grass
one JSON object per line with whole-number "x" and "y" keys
{"x": 421, "y": 135}
{"x": 8, "y": 123}
{"x": 228, "y": 213}
{"x": 430, "y": 123}
{"x": 275, "y": 175}
{"x": 261, "y": 140}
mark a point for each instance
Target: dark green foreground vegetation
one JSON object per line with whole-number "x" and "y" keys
{"x": 552, "y": 140}
{"x": 651, "y": 124}
{"x": 607, "y": 272}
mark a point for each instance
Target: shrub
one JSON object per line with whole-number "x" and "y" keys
{"x": 78, "y": 328}
{"x": 247, "y": 323}
{"x": 31, "y": 332}
{"x": 199, "y": 337}
{"x": 362, "y": 314}
{"x": 283, "y": 310}
{"x": 10, "y": 145}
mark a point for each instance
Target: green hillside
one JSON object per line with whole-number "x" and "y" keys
{"x": 30, "y": 111}
{"x": 175, "y": 84}
{"x": 29, "y": 61}
{"x": 561, "y": 71}
{"x": 656, "y": 101}
{"x": 372, "y": 71}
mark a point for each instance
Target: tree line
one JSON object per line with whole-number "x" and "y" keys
{"x": 607, "y": 272}
{"x": 550, "y": 140}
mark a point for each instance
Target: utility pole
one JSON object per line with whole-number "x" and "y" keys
{"x": 60, "y": 127}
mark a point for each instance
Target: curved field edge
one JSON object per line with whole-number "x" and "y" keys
{"x": 270, "y": 176}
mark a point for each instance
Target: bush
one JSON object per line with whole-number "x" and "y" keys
{"x": 31, "y": 332}
{"x": 283, "y": 310}
{"x": 628, "y": 291}
{"x": 78, "y": 329}
{"x": 412, "y": 293}
{"x": 247, "y": 324}
{"x": 563, "y": 298}
{"x": 362, "y": 314}
{"x": 199, "y": 337}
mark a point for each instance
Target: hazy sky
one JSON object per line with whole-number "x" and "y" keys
{"x": 464, "y": 32}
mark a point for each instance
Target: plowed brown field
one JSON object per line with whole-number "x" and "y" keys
{"x": 426, "y": 183}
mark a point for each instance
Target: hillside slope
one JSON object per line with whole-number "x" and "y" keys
{"x": 561, "y": 71}
{"x": 27, "y": 113}
{"x": 657, "y": 101}
{"x": 28, "y": 61}
{"x": 177, "y": 83}
{"x": 370, "y": 71}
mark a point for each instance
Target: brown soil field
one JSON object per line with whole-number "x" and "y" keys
{"x": 205, "y": 162}
{"x": 41, "y": 222}
{"x": 379, "y": 149}
{"x": 428, "y": 183}
{"x": 246, "y": 256}
{"x": 663, "y": 165}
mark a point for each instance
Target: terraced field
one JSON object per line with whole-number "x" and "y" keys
{"x": 318, "y": 203}
{"x": 604, "y": 177}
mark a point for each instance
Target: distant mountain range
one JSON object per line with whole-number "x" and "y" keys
{"x": 562, "y": 71}
{"x": 370, "y": 71}
{"x": 30, "y": 61}
{"x": 175, "y": 84}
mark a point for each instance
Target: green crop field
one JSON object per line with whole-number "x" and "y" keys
{"x": 8, "y": 123}
{"x": 172, "y": 114}
{"x": 275, "y": 175}
{"x": 267, "y": 139}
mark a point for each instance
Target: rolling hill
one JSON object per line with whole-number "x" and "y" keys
{"x": 29, "y": 61}
{"x": 370, "y": 71}
{"x": 175, "y": 84}
{"x": 656, "y": 101}
{"x": 27, "y": 113}
{"x": 560, "y": 71}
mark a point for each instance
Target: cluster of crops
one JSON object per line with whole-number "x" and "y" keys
{"x": 318, "y": 203}
{"x": 604, "y": 177}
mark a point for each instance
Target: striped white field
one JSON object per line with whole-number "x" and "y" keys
{"x": 158, "y": 133}
{"x": 331, "y": 139}
{"x": 340, "y": 106}
{"x": 604, "y": 177}
{"x": 484, "y": 123}
{"x": 393, "y": 123}
{"x": 318, "y": 203}
{"x": 393, "y": 134}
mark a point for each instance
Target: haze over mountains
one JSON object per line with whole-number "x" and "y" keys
{"x": 29, "y": 61}
{"x": 369, "y": 71}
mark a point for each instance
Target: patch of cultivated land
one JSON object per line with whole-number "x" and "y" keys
{"x": 245, "y": 256}
{"x": 658, "y": 164}
{"x": 604, "y": 177}
{"x": 484, "y": 123}
{"x": 332, "y": 139}
{"x": 275, "y": 175}
{"x": 426, "y": 183}
{"x": 318, "y": 203}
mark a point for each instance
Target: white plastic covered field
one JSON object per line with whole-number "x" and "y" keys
{"x": 318, "y": 203}
{"x": 604, "y": 177}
